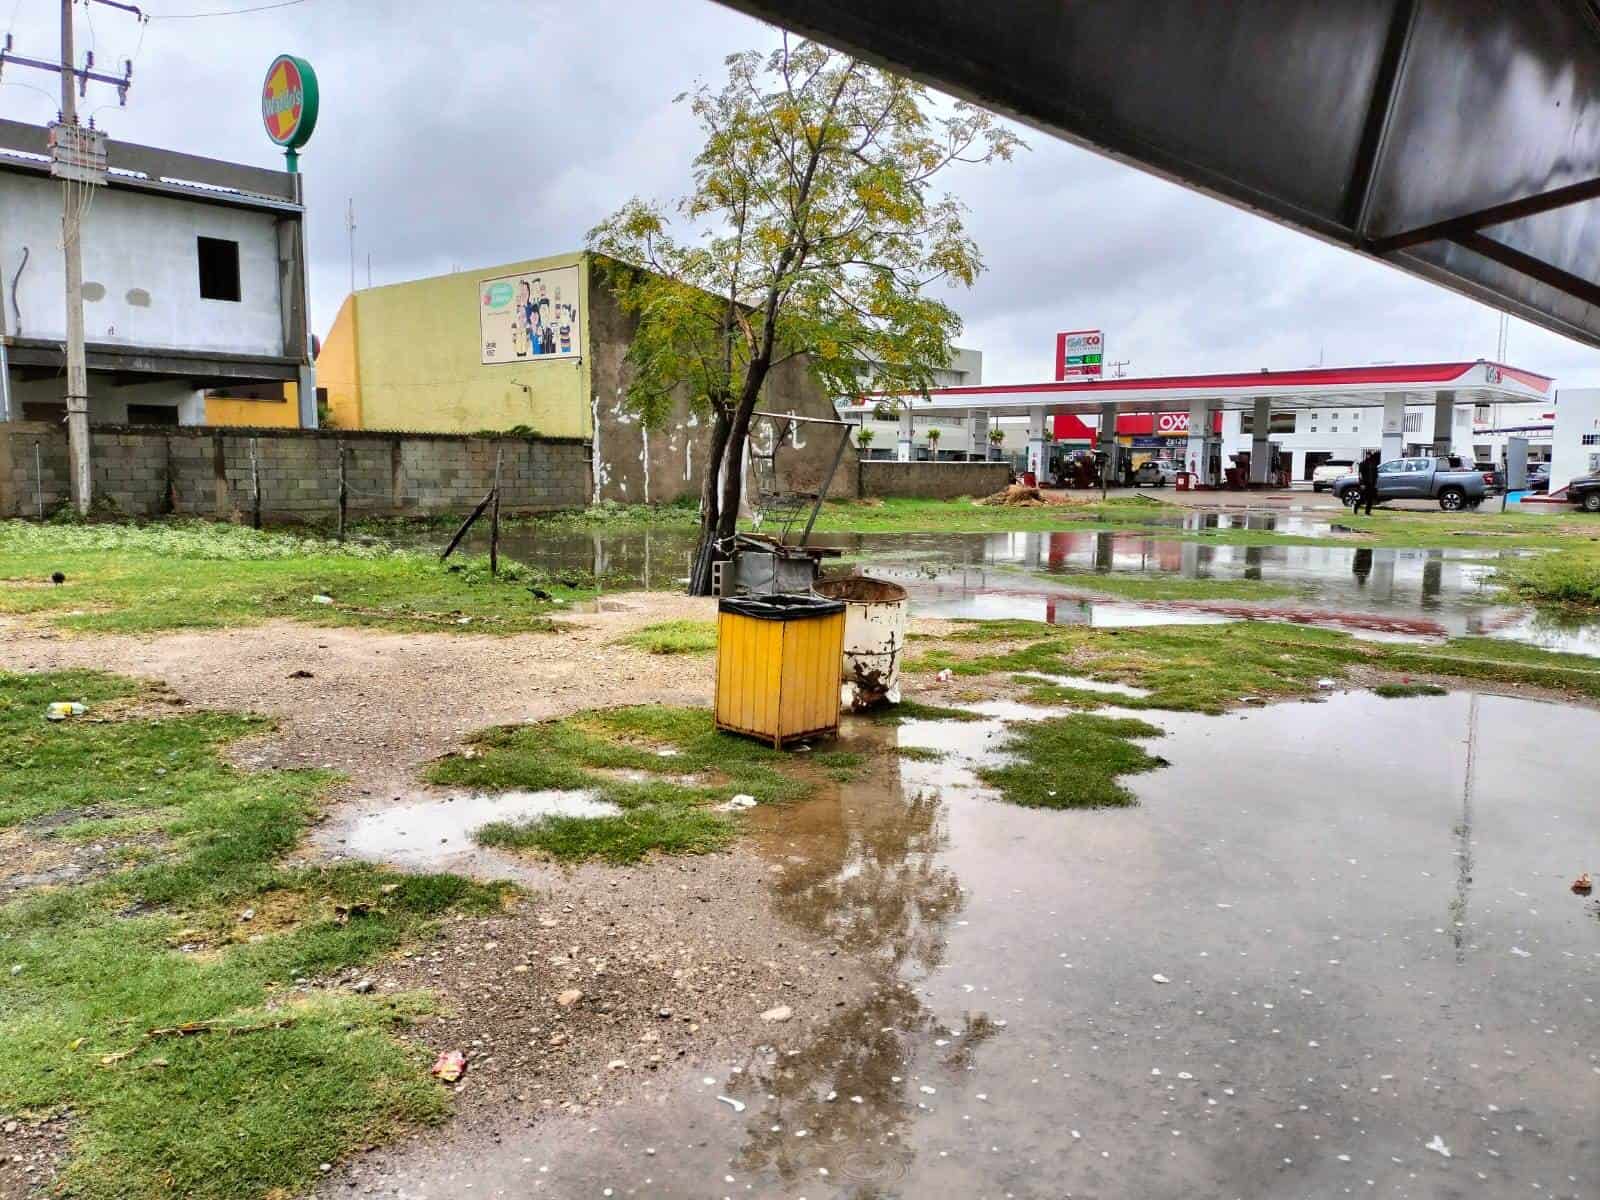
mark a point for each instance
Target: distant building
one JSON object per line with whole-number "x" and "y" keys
{"x": 538, "y": 345}
{"x": 194, "y": 280}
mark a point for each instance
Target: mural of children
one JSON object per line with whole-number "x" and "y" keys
{"x": 563, "y": 322}
{"x": 536, "y": 329}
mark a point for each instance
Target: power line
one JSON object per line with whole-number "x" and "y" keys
{"x": 228, "y": 12}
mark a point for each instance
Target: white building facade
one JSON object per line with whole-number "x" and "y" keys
{"x": 194, "y": 278}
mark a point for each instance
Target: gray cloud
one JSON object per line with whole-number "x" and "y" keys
{"x": 481, "y": 132}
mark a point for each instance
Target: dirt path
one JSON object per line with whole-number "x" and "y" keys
{"x": 378, "y": 705}
{"x": 669, "y": 960}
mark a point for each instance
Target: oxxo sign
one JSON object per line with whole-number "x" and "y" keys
{"x": 289, "y": 102}
{"x": 1080, "y": 354}
{"x": 1172, "y": 423}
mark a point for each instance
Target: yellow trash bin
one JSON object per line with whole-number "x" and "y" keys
{"x": 778, "y": 666}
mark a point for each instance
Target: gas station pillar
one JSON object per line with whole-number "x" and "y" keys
{"x": 1038, "y": 445}
{"x": 1198, "y": 457}
{"x": 978, "y": 437}
{"x": 1260, "y": 443}
{"x": 1394, "y": 425}
{"x": 1444, "y": 423}
{"x": 904, "y": 447}
{"x": 1107, "y": 441}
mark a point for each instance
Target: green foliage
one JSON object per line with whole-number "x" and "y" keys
{"x": 1072, "y": 761}
{"x": 198, "y": 574}
{"x": 1570, "y": 577}
{"x": 912, "y": 710}
{"x": 813, "y": 231}
{"x": 674, "y": 637}
{"x": 668, "y": 811}
{"x": 92, "y": 966}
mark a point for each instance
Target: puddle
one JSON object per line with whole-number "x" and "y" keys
{"x": 1044, "y": 576}
{"x": 436, "y": 832}
{"x": 1329, "y": 939}
{"x": 1085, "y": 684}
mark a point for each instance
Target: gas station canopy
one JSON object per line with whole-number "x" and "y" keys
{"x": 1331, "y": 387}
{"x": 1458, "y": 140}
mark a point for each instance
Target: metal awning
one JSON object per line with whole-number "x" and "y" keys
{"x": 1458, "y": 140}
{"x": 1318, "y": 387}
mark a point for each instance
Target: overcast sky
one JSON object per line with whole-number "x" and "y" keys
{"x": 485, "y": 131}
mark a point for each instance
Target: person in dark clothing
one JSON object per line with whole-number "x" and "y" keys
{"x": 1368, "y": 471}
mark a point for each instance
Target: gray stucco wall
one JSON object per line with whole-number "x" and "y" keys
{"x": 932, "y": 480}
{"x": 635, "y": 465}
{"x": 147, "y": 471}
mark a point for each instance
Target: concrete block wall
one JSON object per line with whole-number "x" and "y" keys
{"x": 208, "y": 471}
{"x": 932, "y": 480}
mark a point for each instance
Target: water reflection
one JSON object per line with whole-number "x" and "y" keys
{"x": 1046, "y": 575}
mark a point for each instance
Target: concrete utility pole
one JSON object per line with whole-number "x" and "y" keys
{"x": 72, "y": 249}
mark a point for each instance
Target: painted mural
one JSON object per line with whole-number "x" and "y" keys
{"x": 529, "y": 317}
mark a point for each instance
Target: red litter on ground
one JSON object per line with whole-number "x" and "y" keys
{"x": 449, "y": 1066}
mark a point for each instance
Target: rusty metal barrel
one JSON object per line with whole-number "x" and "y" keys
{"x": 877, "y": 614}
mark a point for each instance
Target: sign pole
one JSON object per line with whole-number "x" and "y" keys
{"x": 72, "y": 251}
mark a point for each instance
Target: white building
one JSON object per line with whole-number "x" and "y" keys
{"x": 194, "y": 278}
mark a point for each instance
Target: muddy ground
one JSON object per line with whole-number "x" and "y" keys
{"x": 673, "y": 959}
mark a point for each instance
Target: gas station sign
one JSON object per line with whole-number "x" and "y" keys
{"x": 1080, "y": 354}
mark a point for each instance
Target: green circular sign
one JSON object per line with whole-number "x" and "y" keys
{"x": 289, "y": 101}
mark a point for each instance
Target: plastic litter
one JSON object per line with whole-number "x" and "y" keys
{"x": 319, "y": 598}
{"x": 1438, "y": 1146}
{"x": 1582, "y": 885}
{"x": 449, "y": 1066}
{"x": 946, "y": 675}
{"x": 736, "y": 1105}
{"x": 1325, "y": 684}
{"x": 60, "y": 710}
{"x": 741, "y": 801}
{"x": 1160, "y": 979}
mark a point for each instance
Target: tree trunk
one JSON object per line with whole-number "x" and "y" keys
{"x": 710, "y": 492}
{"x": 733, "y": 475}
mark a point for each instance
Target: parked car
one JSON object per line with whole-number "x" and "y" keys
{"x": 1584, "y": 491}
{"x": 1492, "y": 473}
{"x": 1451, "y": 481}
{"x": 1156, "y": 472}
{"x": 1325, "y": 475}
{"x": 1539, "y": 479}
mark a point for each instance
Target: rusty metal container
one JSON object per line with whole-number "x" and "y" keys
{"x": 877, "y": 616}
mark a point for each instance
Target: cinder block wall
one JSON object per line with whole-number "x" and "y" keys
{"x": 208, "y": 471}
{"x": 932, "y": 480}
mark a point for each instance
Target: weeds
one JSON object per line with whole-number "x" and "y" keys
{"x": 674, "y": 637}
{"x": 94, "y": 966}
{"x": 1072, "y": 761}
{"x": 197, "y": 574}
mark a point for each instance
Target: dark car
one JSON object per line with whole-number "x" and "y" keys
{"x": 1584, "y": 491}
{"x": 1539, "y": 478}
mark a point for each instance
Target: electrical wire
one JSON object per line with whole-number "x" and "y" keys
{"x": 229, "y": 12}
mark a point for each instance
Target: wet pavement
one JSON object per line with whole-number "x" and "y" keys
{"x": 1048, "y": 576}
{"x": 1342, "y": 960}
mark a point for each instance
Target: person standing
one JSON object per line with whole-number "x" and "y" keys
{"x": 1368, "y": 472}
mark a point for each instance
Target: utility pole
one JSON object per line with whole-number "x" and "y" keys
{"x": 72, "y": 249}
{"x": 77, "y": 158}
{"x": 350, "y": 228}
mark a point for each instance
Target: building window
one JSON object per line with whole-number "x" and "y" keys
{"x": 1591, "y": 439}
{"x": 219, "y": 268}
{"x": 1413, "y": 423}
{"x": 43, "y": 410}
{"x": 152, "y": 414}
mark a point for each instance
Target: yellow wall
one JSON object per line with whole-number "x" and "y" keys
{"x": 407, "y": 356}
{"x": 258, "y": 414}
{"x": 337, "y": 370}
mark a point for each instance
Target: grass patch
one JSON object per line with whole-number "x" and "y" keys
{"x": 912, "y": 710}
{"x": 1208, "y": 668}
{"x": 128, "y": 578}
{"x": 920, "y": 753}
{"x": 1072, "y": 761}
{"x": 668, "y": 810}
{"x": 1571, "y": 578}
{"x": 1399, "y": 691}
{"x": 91, "y": 968}
{"x": 674, "y": 637}
{"x": 1129, "y": 586}
{"x": 842, "y": 765}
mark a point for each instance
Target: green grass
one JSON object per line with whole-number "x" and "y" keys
{"x": 127, "y": 578}
{"x": 674, "y": 637}
{"x": 1400, "y": 691}
{"x": 912, "y": 710}
{"x": 663, "y": 812}
{"x": 1132, "y": 586}
{"x": 1071, "y": 762}
{"x": 1208, "y": 668}
{"x": 92, "y": 967}
{"x": 1571, "y": 577}
{"x": 920, "y": 753}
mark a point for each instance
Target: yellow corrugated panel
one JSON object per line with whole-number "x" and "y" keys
{"x": 779, "y": 679}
